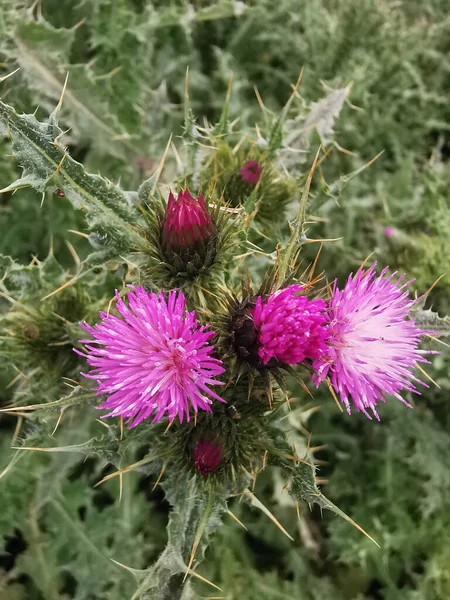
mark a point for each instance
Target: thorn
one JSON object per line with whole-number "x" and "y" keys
{"x": 58, "y": 421}
{"x": 18, "y": 428}
{"x": 363, "y": 264}
{"x": 5, "y": 77}
{"x": 113, "y": 299}
{"x": 427, "y": 376}
{"x": 333, "y": 393}
{"x": 255, "y": 475}
{"x": 314, "y": 265}
{"x": 259, "y": 99}
{"x": 157, "y": 174}
{"x": 67, "y": 284}
{"x": 61, "y": 98}
{"x": 236, "y": 519}
{"x": 191, "y": 572}
{"x": 15, "y": 380}
{"x": 426, "y": 294}
{"x": 179, "y": 162}
{"x": 435, "y": 339}
{"x": 10, "y": 465}
{"x": 168, "y": 427}
{"x": 144, "y": 461}
{"x": 130, "y": 569}
{"x": 80, "y": 234}
{"x": 73, "y": 252}
{"x": 159, "y": 477}
{"x": 255, "y": 502}
{"x": 264, "y": 460}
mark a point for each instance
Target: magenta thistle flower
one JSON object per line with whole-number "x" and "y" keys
{"x": 152, "y": 360}
{"x": 207, "y": 457}
{"x": 388, "y": 231}
{"x": 373, "y": 345}
{"x": 289, "y": 327}
{"x": 251, "y": 172}
{"x": 187, "y": 222}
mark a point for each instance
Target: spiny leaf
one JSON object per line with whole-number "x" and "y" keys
{"x": 431, "y": 321}
{"x": 47, "y": 164}
{"x": 196, "y": 515}
{"x": 76, "y": 397}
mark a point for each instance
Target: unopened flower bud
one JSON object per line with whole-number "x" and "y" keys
{"x": 187, "y": 222}
{"x": 251, "y": 172}
{"x": 188, "y": 235}
{"x": 207, "y": 456}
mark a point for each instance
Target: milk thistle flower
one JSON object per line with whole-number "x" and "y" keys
{"x": 153, "y": 360}
{"x": 284, "y": 326}
{"x": 373, "y": 345}
{"x": 251, "y": 172}
{"x": 290, "y": 327}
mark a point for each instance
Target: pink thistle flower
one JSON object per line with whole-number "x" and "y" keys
{"x": 207, "y": 457}
{"x": 153, "y": 359}
{"x": 290, "y": 327}
{"x": 373, "y": 345}
{"x": 187, "y": 222}
{"x": 251, "y": 172}
{"x": 388, "y": 231}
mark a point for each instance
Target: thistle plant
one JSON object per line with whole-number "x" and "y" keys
{"x": 189, "y": 361}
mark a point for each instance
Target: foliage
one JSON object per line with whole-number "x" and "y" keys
{"x": 375, "y": 79}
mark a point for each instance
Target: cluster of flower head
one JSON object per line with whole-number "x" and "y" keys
{"x": 155, "y": 359}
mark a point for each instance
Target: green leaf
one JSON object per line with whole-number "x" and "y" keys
{"x": 43, "y": 54}
{"x": 197, "y": 513}
{"x": 47, "y": 164}
{"x": 431, "y": 321}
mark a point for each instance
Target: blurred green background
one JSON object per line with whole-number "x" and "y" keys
{"x": 127, "y": 61}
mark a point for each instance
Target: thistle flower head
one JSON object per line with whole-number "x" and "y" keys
{"x": 373, "y": 345}
{"x": 207, "y": 457}
{"x": 251, "y": 172}
{"x": 187, "y": 222}
{"x": 153, "y": 360}
{"x": 289, "y": 326}
{"x": 284, "y": 326}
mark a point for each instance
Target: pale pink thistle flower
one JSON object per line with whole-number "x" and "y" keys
{"x": 388, "y": 232}
{"x": 187, "y": 222}
{"x": 290, "y": 328}
{"x": 251, "y": 172}
{"x": 153, "y": 360}
{"x": 207, "y": 457}
{"x": 373, "y": 345}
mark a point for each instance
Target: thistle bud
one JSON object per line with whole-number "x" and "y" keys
{"x": 207, "y": 457}
{"x": 251, "y": 172}
{"x": 188, "y": 234}
{"x": 187, "y": 222}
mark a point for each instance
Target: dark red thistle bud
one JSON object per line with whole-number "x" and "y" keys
{"x": 187, "y": 222}
{"x": 188, "y": 235}
{"x": 207, "y": 456}
{"x": 251, "y": 172}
